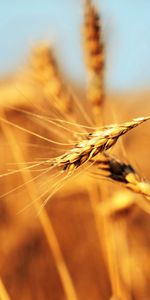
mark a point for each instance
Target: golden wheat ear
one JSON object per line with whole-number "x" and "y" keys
{"x": 94, "y": 58}
{"x": 93, "y": 144}
{"x": 45, "y": 71}
{"x": 111, "y": 168}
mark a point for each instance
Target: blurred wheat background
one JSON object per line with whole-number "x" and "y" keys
{"x": 72, "y": 231}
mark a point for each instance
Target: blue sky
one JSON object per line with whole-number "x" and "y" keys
{"x": 126, "y": 26}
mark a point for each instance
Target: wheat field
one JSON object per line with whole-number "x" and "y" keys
{"x": 75, "y": 191}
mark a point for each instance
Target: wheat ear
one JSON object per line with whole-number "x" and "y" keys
{"x": 94, "y": 143}
{"x": 116, "y": 170}
{"x": 46, "y": 71}
{"x": 94, "y": 58}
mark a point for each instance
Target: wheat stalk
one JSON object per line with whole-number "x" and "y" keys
{"x": 95, "y": 61}
{"x": 3, "y": 292}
